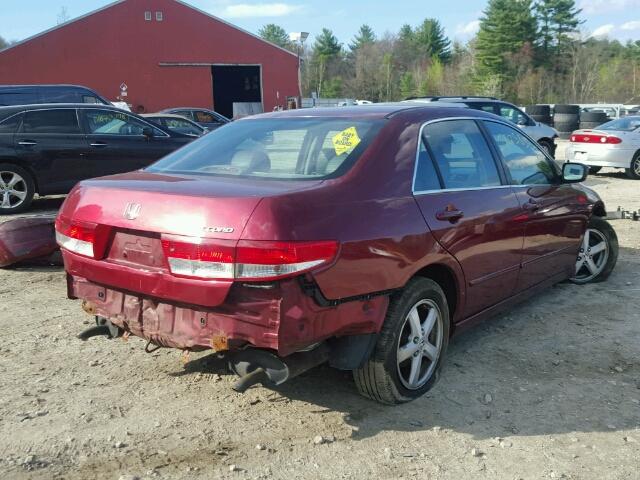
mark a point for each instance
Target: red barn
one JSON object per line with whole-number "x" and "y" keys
{"x": 167, "y": 53}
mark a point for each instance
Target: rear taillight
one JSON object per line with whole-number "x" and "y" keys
{"x": 248, "y": 260}
{"x": 595, "y": 138}
{"x": 76, "y": 237}
{"x": 199, "y": 259}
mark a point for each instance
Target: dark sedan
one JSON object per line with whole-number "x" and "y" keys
{"x": 202, "y": 116}
{"x": 47, "y": 149}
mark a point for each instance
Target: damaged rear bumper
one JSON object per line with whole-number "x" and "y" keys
{"x": 276, "y": 316}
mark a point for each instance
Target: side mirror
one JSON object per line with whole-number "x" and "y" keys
{"x": 147, "y": 132}
{"x": 574, "y": 172}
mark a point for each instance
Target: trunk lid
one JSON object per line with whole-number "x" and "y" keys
{"x": 133, "y": 212}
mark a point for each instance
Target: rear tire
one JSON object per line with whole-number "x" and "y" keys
{"x": 633, "y": 171}
{"x": 598, "y": 253}
{"x": 416, "y": 327}
{"x": 17, "y": 189}
{"x": 547, "y": 146}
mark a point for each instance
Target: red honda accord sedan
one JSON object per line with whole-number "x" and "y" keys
{"x": 363, "y": 237}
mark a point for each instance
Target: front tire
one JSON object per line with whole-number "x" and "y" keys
{"x": 407, "y": 358}
{"x": 16, "y": 189}
{"x": 598, "y": 253}
{"x": 547, "y": 146}
{"x": 634, "y": 169}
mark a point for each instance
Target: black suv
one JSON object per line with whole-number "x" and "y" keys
{"x": 541, "y": 133}
{"x": 47, "y": 149}
{"x": 33, "y": 94}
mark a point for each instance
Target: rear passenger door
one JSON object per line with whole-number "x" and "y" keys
{"x": 551, "y": 210}
{"x": 471, "y": 211}
{"x": 51, "y": 144}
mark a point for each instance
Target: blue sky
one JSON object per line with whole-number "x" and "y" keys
{"x": 613, "y": 18}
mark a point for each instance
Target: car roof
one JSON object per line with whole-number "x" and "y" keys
{"x": 378, "y": 110}
{"x": 49, "y": 106}
{"x": 163, "y": 115}
{"x": 51, "y": 85}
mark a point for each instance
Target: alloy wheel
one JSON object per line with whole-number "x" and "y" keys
{"x": 635, "y": 166}
{"x": 13, "y": 190}
{"x": 419, "y": 344}
{"x": 593, "y": 256}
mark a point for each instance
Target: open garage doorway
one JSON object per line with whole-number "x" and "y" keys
{"x": 236, "y": 84}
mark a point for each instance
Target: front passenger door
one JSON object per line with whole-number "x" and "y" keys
{"x": 470, "y": 210}
{"x": 552, "y": 212}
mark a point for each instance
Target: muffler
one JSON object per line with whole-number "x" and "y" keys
{"x": 255, "y": 366}
{"x": 103, "y": 327}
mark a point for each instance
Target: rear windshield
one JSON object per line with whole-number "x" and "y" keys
{"x": 283, "y": 148}
{"x": 628, "y": 124}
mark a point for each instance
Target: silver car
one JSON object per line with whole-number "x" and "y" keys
{"x": 613, "y": 144}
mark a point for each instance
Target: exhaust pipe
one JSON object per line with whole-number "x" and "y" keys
{"x": 103, "y": 327}
{"x": 260, "y": 366}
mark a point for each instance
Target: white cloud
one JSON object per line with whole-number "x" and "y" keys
{"x": 468, "y": 29}
{"x": 605, "y": 6}
{"x": 633, "y": 25}
{"x": 603, "y": 31}
{"x": 245, "y": 10}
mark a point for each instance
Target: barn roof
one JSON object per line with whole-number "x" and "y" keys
{"x": 117, "y": 2}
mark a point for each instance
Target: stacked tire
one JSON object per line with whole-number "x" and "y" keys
{"x": 540, "y": 113}
{"x": 566, "y": 119}
{"x": 591, "y": 120}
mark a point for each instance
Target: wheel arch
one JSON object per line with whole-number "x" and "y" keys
{"x": 17, "y": 163}
{"x": 448, "y": 281}
{"x": 599, "y": 209}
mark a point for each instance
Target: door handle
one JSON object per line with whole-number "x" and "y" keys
{"x": 450, "y": 214}
{"x": 98, "y": 144}
{"x": 27, "y": 143}
{"x": 531, "y": 206}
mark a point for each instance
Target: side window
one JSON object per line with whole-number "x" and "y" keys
{"x": 204, "y": 117}
{"x": 513, "y": 115}
{"x": 485, "y": 107}
{"x": 426, "y": 175}
{"x": 526, "y": 164}
{"x": 51, "y": 121}
{"x": 10, "y": 125}
{"x": 461, "y": 154}
{"x": 90, "y": 99}
{"x": 60, "y": 95}
{"x": 184, "y": 113}
{"x": 17, "y": 98}
{"x": 109, "y": 122}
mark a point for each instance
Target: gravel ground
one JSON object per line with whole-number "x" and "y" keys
{"x": 549, "y": 390}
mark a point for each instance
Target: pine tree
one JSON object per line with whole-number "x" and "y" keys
{"x": 275, "y": 34}
{"x": 3, "y": 43}
{"x": 407, "y": 85}
{"x": 365, "y": 36}
{"x": 505, "y": 28}
{"x": 325, "y": 48}
{"x": 557, "y": 20}
{"x": 432, "y": 41}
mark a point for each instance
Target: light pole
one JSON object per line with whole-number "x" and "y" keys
{"x": 299, "y": 38}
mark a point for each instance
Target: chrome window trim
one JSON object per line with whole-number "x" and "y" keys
{"x": 447, "y": 119}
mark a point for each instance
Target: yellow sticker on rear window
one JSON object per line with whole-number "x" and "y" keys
{"x": 346, "y": 140}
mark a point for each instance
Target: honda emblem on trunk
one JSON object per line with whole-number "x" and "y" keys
{"x": 131, "y": 211}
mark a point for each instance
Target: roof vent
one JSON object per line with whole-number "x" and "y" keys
{"x": 147, "y": 16}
